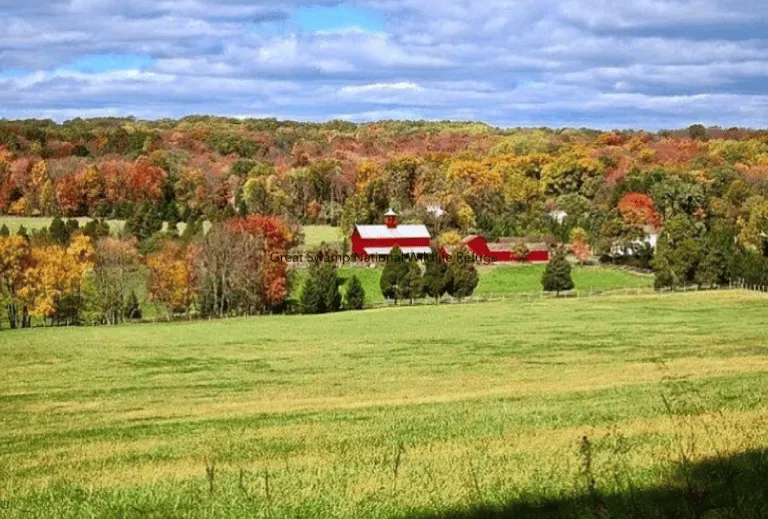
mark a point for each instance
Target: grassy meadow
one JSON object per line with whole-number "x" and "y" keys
{"x": 314, "y": 235}
{"x": 462, "y": 411}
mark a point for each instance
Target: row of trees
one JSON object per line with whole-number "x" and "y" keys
{"x": 405, "y": 278}
{"x": 65, "y": 275}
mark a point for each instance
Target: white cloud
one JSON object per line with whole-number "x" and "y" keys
{"x": 587, "y": 62}
{"x": 379, "y": 87}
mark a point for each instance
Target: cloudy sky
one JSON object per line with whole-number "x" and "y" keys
{"x": 598, "y": 63}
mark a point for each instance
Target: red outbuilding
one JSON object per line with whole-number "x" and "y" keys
{"x": 378, "y": 240}
{"x": 503, "y": 250}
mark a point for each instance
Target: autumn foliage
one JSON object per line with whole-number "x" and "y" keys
{"x": 639, "y": 209}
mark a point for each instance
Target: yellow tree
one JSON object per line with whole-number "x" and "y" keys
{"x": 172, "y": 277}
{"x": 55, "y": 272}
{"x": 14, "y": 259}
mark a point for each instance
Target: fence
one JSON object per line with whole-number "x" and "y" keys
{"x": 477, "y": 299}
{"x": 573, "y": 294}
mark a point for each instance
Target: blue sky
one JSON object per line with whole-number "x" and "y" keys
{"x": 597, "y": 63}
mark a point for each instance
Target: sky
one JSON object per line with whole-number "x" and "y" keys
{"x": 607, "y": 64}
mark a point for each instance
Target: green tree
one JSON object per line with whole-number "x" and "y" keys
{"x": 393, "y": 274}
{"x": 96, "y": 229}
{"x": 436, "y": 277}
{"x": 354, "y": 299}
{"x": 58, "y": 231}
{"x": 310, "y": 300}
{"x": 23, "y": 232}
{"x": 4, "y": 231}
{"x": 72, "y": 226}
{"x": 321, "y": 290}
{"x": 132, "y": 307}
{"x": 412, "y": 284}
{"x": 717, "y": 258}
{"x": 678, "y": 253}
{"x": 193, "y": 227}
{"x": 463, "y": 275}
{"x": 557, "y": 274}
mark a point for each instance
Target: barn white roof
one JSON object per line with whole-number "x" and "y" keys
{"x": 384, "y": 251}
{"x": 401, "y": 231}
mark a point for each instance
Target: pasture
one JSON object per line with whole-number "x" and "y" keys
{"x": 462, "y": 410}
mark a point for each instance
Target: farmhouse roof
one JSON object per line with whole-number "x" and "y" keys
{"x": 384, "y": 251}
{"x": 390, "y": 213}
{"x": 507, "y": 244}
{"x": 378, "y": 232}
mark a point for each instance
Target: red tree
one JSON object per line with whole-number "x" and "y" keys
{"x": 144, "y": 181}
{"x": 68, "y": 195}
{"x": 638, "y": 209}
{"x": 278, "y": 238}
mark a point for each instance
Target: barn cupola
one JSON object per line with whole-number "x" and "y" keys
{"x": 390, "y": 219}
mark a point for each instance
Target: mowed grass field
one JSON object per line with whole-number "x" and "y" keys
{"x": 396, "y": 412}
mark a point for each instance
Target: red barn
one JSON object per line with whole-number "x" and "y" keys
{"x": 503, "y": 250}
{"x": 378, "y": 240}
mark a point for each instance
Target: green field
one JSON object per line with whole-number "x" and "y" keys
{"x": 396, "y": 412}
{"x": 38, "y": 222}
{"x": 505, "y": 280}
{"x": 314, "y": 235}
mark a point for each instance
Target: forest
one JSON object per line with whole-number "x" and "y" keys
{"x": 206, "y": 201}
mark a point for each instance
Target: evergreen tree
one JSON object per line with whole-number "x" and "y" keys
{"x": 135, "y": 222}
{"x": 22, "y": 232}
{"x": 173, "y": 226}
{"x": 355, "y": 296}
{"x": 436, "y": 277}
{"x": 393, "y": 274}
{"x": 132, "y": 307}
{"x": 191, "y": 229}
{"x": 321, "y": 290}
{"x": 310, "y": 300}
{"x": 171, "y": 213}
{"x": 557, "y": 274}
{"x": 328, "y": 282}
{"x": 72, "y": 226}
{"x": 58, "y": 231}
{"x": 4, "y": 231}
{"x": 96, "y": 229}
{"x": 463, "y": 275}
{"x": 412, "y": 283}
{"x": 152, "y": 223}
{"x": 242, "y": 208}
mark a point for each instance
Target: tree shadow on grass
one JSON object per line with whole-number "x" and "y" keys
{"x": 733, "y": 487}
